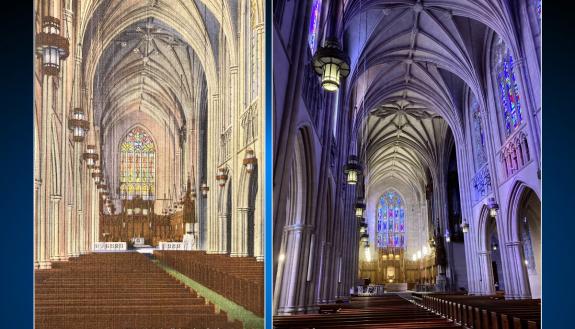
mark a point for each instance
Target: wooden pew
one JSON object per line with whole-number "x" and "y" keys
{"x": 122, "y": 290}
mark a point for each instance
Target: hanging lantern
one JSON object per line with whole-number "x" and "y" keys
{"x": 204, "y": 189}
{"x": 362, "y": 227}
{"x": 78, "y": 124}
{"x": 494, "y": 246}
{"x": 96, "y": 176}
{"x": 447, "y": 236}
{"x": 359, "y": 209}
{"x": 352, "y": 170}
{"x": 129, "y": 212}
{"x": 493, "y": 207}
{"x": 250, "y": 161}
{"x": 332, "y": 64}
{"x": 364, "y": 238}
{"x": 465, "y": 226}
{"x": 90, "y": 156}
{"x": 145, "y": 213}
{"x": 51, "y": 46}
{"x": 222, "y": 177}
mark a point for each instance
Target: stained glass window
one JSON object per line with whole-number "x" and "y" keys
{"x": 507, "y": 86}
{"x": 137, "y": 165}
{"x": 477, "y": 133}
{"x": 314, "y": 25}
{"x": 390, "y": 221}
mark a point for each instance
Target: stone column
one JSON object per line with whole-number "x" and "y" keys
{"x": 518, "y": 271}
{"x": 487, "y": 281}
{"x": 240, "y": 239}
{"x": 260, "y": 208}
{"x": 223, "y": 220}
{"x": 291, "y": 271}
{"x": 212, "y": 145}
{"x": 55, "y": 254}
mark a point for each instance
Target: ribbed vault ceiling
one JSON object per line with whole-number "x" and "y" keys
{"x": 412, "y": 62}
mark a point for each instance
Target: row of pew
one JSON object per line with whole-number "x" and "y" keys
{"x": 240, "y": 279}
{"x": 381, "y": 312}
{"x": 486, "y": 312}
{"x": 119, "y": 290}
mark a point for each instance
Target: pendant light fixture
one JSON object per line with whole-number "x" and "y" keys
{"x": 204, "y": 189}
{"x": 250, "y": 161}
{"x": 352, "y": 170}
{"x": 359, "y": 209}
{"x": 51, "y": 46}
{"x": 222, "y": 177}
{"x": 332, "y": 64}
{"x": 90, "y": 156}
{"x": 78, "y": 125}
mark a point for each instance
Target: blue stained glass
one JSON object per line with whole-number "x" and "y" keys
{"x": 477, "y": 133}
{"x": 314, "y": 25}
{"x": 390, "y": 210}
{"x": 508, "y": 87}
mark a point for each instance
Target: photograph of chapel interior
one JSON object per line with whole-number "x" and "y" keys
{"x": 407, "y": 180}
{"x": 148, "y": 203}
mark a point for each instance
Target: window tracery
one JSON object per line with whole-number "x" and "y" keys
{"x": 137, "y": 165}
{"x": 390, "y": 221}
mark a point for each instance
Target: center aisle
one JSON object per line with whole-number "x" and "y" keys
{"x": 233, "y": 310}
{"x": 386, "y": 312}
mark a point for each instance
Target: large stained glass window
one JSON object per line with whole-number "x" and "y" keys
{"x": 477, "y": 133}
{"x": 137, "y": 165}
{"x": 314, "y": 25}
{"x": 390, "y": 221}
{"x": 507, "y": 86}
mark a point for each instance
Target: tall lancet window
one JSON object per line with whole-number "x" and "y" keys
{"x": 314, "y": 25}
{"x": 508, "y": 89}
{"x": 477, "y": 133}
{"x": 137, "y": 165}
{"x": 390, "y": 221}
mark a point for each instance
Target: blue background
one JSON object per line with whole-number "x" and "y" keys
{"x": 16, "y": 159}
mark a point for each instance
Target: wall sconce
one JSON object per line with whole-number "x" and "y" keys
{"x": 464, "y": 226}
{"x": 493, "y": 207}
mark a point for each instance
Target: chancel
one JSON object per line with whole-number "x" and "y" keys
{"x": 407, "y": 163}
{"x": 140, "y": 106}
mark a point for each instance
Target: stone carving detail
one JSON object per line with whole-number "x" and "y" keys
{"x": 482, "y": 183}
{"x": 249, "y": 124}
{"x": 225, "y": 145}
{"x": 514, "y": 154}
